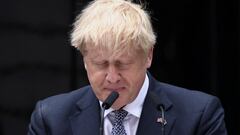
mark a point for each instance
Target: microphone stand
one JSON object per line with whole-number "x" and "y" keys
{"x": 106, "y": 105}
{"x": 161, "y": 108}
{"x": 102, "y": 120}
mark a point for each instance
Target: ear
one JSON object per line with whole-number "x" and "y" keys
{"x": 149, "y": 57}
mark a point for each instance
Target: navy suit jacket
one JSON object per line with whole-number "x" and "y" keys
{"x": 187, "y": 112}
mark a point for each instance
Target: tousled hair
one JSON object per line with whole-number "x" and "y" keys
{"x": 113, "y": 24}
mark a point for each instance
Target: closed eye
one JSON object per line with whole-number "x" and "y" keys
{"x": 123, "y": 65}
{"x": 100, "y": 64}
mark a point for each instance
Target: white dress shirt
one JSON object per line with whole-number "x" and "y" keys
{"x": 134, "y": 110}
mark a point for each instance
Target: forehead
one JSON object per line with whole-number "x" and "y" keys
{"x": 96, "y": 52}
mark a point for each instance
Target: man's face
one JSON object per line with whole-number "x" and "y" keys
{"x": 123, "y": 72}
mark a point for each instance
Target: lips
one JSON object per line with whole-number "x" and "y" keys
{"x": 115, "y": 88}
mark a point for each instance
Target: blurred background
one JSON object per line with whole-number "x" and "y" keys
{"x": 197, "y": 48}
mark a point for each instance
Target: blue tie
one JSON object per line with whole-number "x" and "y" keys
{"x": 116, "y": 117}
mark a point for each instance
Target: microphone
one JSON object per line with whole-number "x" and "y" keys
{"x": 160, "y": 107}
{"x": 106, "y": 105}
{"x": 110, "y": 100}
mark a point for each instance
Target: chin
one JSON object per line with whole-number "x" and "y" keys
{"x": 119, "y": 103}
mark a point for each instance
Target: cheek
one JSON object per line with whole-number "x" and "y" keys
{"x": 95, "y": 78}
{"x": 136, "y": 80}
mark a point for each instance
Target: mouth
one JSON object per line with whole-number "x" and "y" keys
{"x": 119, "y": 89}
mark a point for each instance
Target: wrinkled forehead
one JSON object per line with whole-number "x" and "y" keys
{"x": 110, "y": 51}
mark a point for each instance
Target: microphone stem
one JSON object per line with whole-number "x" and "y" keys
{"x": 106, "y": 105}
{"x": 102, "y": 121}
{"x": 163, "y": 120}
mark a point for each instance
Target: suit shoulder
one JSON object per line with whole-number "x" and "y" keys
{"x": 193, "y": 100}
{"x": 172, "y": 89}
{"x": 63, "y": 103}
{"x": 67, "y": 97}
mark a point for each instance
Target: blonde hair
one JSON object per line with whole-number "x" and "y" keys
{"x": 113, "y": 24}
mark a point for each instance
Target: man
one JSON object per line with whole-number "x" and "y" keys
{"x": 116, "y": 40}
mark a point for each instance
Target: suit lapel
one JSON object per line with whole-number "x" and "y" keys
{"x": 148, "y": 124}
{"x": 86, "y": 119}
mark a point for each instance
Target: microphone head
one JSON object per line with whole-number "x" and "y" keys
{"x": 110, "y": 100}
{"x": 160, "y": 107}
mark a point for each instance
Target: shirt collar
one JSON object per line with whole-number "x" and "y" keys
{"x": 135, "y": 107}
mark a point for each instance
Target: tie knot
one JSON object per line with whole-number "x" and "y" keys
{"x": 117, "y": 116}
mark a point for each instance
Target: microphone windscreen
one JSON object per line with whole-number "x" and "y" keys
{"x": 110, "y": 100}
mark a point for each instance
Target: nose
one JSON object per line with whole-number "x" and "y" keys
{"x": 113, "y": 76}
